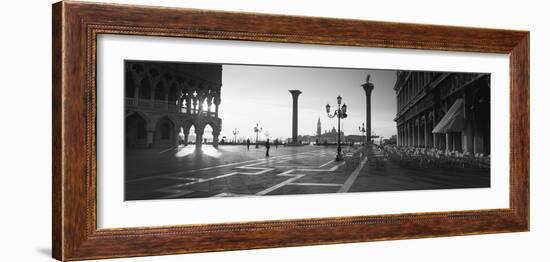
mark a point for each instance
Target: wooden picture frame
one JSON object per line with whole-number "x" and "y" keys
{"x": 76, "y": 26}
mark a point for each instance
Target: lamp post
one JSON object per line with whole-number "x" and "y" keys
{"x": 235, "y": 133}
{"x": 362, "y": 130}
{"x": 340, "y": 113}
{"x": 257, "y": 129}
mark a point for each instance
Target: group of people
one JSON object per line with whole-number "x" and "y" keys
{"x": 267, "y": 145}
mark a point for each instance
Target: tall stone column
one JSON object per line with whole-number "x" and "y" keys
{"x": 368, "y": 87}
{"x": 295, "y": 94}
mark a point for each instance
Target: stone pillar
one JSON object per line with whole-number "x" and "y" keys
{"x": 198, "y": 139}
{"x": 209, "y": 103}
{"x": 185, "y": 137}
{"x": 188, "y": 104}
{"x": 414, "y": 137}
{"x": 215, "y": 139}
{"x": 406, "y": 135}
{"x": 426, "y": 133}
{"x": 398, "y": 135}
{"x": 368, "y": 87}
{"x": 418, "y": 133}
{"x": 150, "y": 134}
{"x": 295, "y": 94}
{"x": 409, "y": 135}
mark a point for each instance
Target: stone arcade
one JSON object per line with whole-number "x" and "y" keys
{"x": 164, "y": 100}
{"x": 446, "y": 111}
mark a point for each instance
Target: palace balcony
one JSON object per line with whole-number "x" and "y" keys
{"x": 163, "y": 106}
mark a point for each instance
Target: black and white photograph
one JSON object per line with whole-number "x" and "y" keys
{"x": 200, "y": 130}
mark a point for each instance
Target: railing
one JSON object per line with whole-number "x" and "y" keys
{"x": 130, "y": 102}
{"x": 162, "y": 105}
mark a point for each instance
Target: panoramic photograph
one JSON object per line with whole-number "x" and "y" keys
{"x": 200, "y": 130}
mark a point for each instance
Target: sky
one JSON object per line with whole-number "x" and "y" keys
{"x": 253, "y": 94}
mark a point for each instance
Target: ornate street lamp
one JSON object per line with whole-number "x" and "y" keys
{"x": 362, "y": 130}
{"x": 257, "y": 129}
{"x": 340, "y": 113}
{"x": 235, "y": 133}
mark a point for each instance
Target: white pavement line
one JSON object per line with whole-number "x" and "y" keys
{"x": 211, "y": 167}
{"x": 334, "y": 168}
{"x": 183, "y": 193}
{"x": 352, "y": 177}
{"x": 314, "y": 184}
{"x": 202, "y": 180}
{"x": 313, "y": 170}
{"x": 165, "y": 150}
{"x": 326, "y": 163}
{"x": 225, "y": 194}
{"x": 286, "y": 182}
{"x": 266, "y": 170}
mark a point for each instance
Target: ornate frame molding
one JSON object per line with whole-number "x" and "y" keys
{"x": 76, "y": 26}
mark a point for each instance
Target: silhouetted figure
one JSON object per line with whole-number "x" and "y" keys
{"x": 248, "y": 144}
{"x": 267, "y": 146}
{"x": 276, "y": 143}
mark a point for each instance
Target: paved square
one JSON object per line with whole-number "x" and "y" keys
{"x": 184, "y": 172}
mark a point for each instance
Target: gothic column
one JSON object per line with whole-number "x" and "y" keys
{"x": 150, "y": 134}
{"x": 198, "y": 140}
{"x": 188, "y": 103}
{"x": 295, "y": 94}
{"x": 215, "y": 140}
{"x": 136, "y": 95}
{"x": 209, "y": 103}
{"x": 185, "y": 137}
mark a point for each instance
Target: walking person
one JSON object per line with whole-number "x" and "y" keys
{"x": 247, "y": 144}
{"x": 267, "y": 146}
{"x": 276, "y": 143}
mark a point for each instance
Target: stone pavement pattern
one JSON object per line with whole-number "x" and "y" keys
{"x": 234, "y": 171}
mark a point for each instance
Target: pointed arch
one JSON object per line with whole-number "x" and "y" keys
{"x": 145, "y": 88}
{"x": 160, "y": 91}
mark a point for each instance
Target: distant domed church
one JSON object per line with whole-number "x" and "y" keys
{"x": 328, "y": 136}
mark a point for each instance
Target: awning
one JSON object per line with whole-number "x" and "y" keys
{"x": 453, "y": 120}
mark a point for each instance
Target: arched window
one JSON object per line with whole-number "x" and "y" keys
{"x": 145, "y": 88}
{"x": 173, "y": 94}
{"x": 160, "y": 92}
